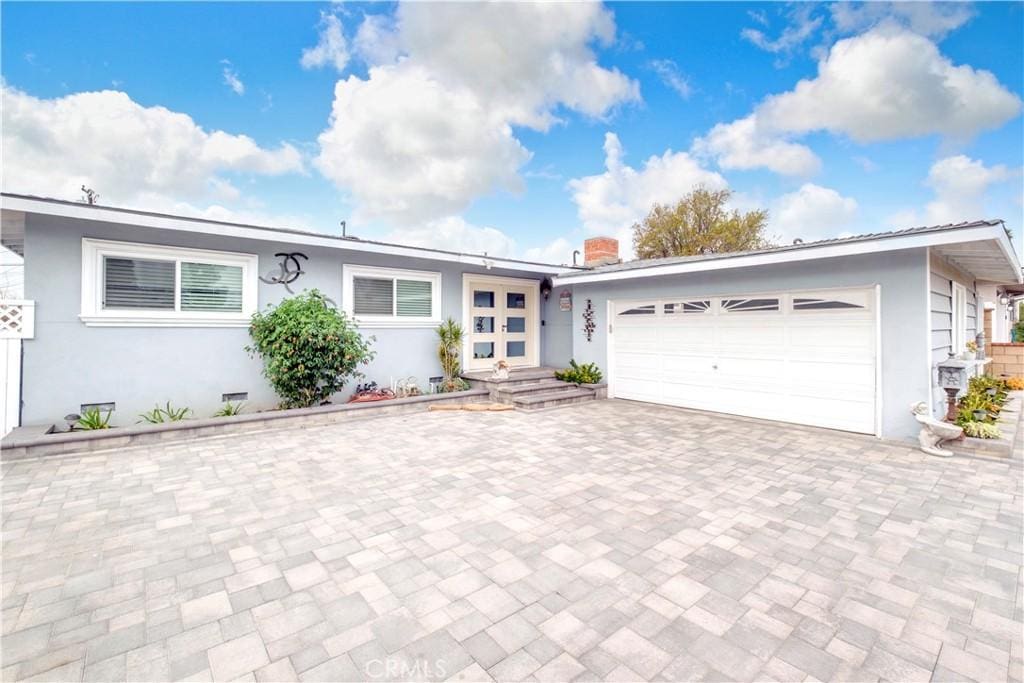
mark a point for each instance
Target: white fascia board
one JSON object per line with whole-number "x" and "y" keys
{"x": 873, "y": 246}
{"x": 198, "y": 225}
{"x": 1006, "y": 246}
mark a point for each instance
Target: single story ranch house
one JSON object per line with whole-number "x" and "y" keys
{"x": 134, "y": 308}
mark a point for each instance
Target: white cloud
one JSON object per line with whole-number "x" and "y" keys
{"x": 430, "y": 130}
{"x": 558, "y": 251}
{"x": 812, "y": 212}
{"x": 611, "y": 202}
{"x": 961, "y": 186}
{"x": 376, "y": 40}
{"x": 231, "y": 78}
{"x": 743, "y": 144}
{"x": 669, "y": 73}
{"x": 410, "y": 149}
{"x": 523, "y": 59}
{"x": 132, "y": 155}
{"x": 888, "y": 84}
{"x": 331, "y": 47}
{"x": 885, "y": 84}
{"x": 933, "y": 19}
{"x": 454, "y": 233}
{"x": 802, "y": 25}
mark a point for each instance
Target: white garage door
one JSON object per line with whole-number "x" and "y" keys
{"x": 804, "y": 357}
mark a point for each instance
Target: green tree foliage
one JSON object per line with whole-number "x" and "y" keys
{"x": 309, "y": 349}
{"x": 699, "y": 223}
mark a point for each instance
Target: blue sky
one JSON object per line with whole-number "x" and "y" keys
{"x": 519, "y": 129}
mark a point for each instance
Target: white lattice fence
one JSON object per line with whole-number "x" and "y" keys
{"x": 17, "y": 318}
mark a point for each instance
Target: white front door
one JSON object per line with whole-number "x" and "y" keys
{"x": 804, "y": 357}
{"x": 502, "y": 323}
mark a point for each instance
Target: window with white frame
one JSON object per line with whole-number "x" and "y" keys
{"x": 143, "y": 285}
{"x": 390, "y": 297}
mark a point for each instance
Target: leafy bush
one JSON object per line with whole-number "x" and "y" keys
{"x": 309, "y": 349}
{"x": 588, "y": 373}
{"x": 452, "y": 384}
{"x": 166, "y": 414}
{"x": 982, "y": 430}
{"x": 981, "y": 383}
{"x": 1015, "y": 384}
{"x": 1018, "y": 331}
{"x": 230, "y": 409}
{"x": 449, "y": 345}
{"x": 92, "y": 419}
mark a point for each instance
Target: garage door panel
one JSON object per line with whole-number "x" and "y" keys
{"x": 814, "y": 365}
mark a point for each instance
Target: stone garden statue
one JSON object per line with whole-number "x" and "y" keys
{"x": 933, "y": 432}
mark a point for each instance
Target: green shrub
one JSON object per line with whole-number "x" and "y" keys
{"x": 452, "y": 384}
{"x": 982, "y": 430}
{"x": 309, "y": 349}
{"x": 588, "y": 373}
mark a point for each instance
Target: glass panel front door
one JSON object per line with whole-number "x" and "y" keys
{"x": 503, "y": 324}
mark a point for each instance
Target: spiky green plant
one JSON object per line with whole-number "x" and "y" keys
{"x": 166, "y": 414}
{"x": 587, "y": 373}
{"x": 94, "y": 418}
{"x": 449, "y": 345}
{"x": 230, "y": 409}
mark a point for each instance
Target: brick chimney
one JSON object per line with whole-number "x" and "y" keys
{"x": 598, "y": 251}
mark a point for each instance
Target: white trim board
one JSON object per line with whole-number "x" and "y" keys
{"x": 351, "y": 271}
{"x": 266, "y": 234}
{"x": 810, "y": 253}
{"x": 467, "y": 312}
{"x": 93, "y": 314}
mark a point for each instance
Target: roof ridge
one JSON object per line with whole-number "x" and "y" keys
{"x": 269, "y": 228}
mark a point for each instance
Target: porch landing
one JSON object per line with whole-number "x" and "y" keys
{"x": 532, "y": 388}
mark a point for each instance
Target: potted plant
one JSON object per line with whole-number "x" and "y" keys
{"x": 972, "y": 350}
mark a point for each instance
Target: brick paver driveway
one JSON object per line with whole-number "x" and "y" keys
{"x": 604, "y": 541}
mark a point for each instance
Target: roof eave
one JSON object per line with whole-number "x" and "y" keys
{"x": 812, "y": 252}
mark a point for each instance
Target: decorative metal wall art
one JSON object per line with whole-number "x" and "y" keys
{"x": 290, "y": 270}
{"x": 588, "y": 320}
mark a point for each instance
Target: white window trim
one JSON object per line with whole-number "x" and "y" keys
{"x": 959, "y": 318}
{"x": 94, "y": 315}
{"x": 350, "y": 272}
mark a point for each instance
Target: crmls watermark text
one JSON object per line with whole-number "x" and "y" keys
{"x": 406, "y": 669}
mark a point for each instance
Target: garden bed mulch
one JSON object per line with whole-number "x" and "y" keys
{"x": 30, "y": 442}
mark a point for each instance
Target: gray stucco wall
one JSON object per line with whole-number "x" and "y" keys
{"x": 68, "y": 363}
{"x": 901, "y": 274}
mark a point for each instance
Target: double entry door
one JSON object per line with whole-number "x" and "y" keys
{"x": 503, "y": 322}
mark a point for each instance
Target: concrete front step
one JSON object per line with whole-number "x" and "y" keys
{"x": 525, "y": 376}
{"x": 525, "y": 388}
{"x": 551, "y": 399}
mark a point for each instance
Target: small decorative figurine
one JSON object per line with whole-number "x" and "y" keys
{"x": 500, "y": 370}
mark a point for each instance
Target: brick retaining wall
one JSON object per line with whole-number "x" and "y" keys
{"x": 1007, "y": 360}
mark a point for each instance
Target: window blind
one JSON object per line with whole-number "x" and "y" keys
{"x": 138, "y": 283}
{"x": 413, "y": 298}
{"x": 372, "y": 296}
{"x": 211, "y": 287}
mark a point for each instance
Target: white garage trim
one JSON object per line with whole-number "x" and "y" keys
{"x": 797, "y": 355}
